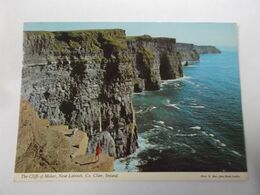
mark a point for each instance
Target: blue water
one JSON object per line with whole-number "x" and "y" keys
{"x": 193, "y": 123}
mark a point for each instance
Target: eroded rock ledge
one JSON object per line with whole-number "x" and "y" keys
{"x": 43, "y": 147}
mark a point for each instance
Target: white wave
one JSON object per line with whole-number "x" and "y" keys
{"x": 219, "y": 143}
{"x": 156, "y": 126}
{"x": 190, "y": 66}
{"x": 223, "y": 145}
{"x": 126, "y": 165}
{"x": 196, "y": 128}
{"x": 197, "y": 106}
{"x": 164, "y": 82}
{"x": 153, "y": 158}
{"x": 139, "y": 111}
{"x": 216, "y": 141}
{"x": 140, "y": 93}
{"x": 235, "y": 152}
{"x": 153, "y": 132}
{"x": 162, "y": 125}
{"x": 144, "y": 144}
{"x": 167, "y": 103}
{"x": 186, "y": 135}
{"x": 174, "y": 106}
{"x": 131, "y": 162}
{"x": 160, "y": 122}
{"x": 204, "y": 133}
{"x": 148, "y": 109}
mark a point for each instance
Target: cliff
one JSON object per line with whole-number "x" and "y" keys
{"x": 190, "y": 53}
{"x": 207, "y": 49}
{"x": 187, "y": 53}
{"x": 83, "y": 79}
{"x": 43, "y": 147}
{"x": 153, "y": 59}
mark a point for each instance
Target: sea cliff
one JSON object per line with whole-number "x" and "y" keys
{"x": 85, "y": 80}
{"x": 190, "y": 54}
{"x": 153, "y": 60}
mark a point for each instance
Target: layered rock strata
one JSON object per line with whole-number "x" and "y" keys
{"x": 153, "y": 59}
{"x": 85, "y": 79}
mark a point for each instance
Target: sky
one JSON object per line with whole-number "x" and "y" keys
{"x": 217, "y": 34}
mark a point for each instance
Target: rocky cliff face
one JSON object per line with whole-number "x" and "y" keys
{"x": 153, "y": 59}
{"x": 190, "y": 53}
{"x": 85, "y": 79}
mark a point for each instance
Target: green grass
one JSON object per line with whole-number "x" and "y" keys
{"x": 139, "y": 38}
{"x": 109, "y": 41}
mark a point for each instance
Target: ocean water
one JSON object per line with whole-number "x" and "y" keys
{"x": 193, "y": 123}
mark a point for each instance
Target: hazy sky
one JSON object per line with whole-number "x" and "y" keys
{"x": 218, "y": 34}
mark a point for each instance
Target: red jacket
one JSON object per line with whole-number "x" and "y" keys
{"x": 98, "y": 151}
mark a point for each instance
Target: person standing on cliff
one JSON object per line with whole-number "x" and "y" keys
{"x": 98, "y": 152}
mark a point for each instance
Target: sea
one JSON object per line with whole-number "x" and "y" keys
{"x": 192, "y": 124}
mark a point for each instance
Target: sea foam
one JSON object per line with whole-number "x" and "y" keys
{"x": 197, "y": 106}
{"x": 196, "y": 128}
{"x": 167, "y": 103}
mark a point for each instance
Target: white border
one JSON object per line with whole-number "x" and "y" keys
{"x": 130, "y": 176}
{"x": 14, "y": 12}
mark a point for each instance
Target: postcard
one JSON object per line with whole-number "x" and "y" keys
{"x": 130, "y": 101}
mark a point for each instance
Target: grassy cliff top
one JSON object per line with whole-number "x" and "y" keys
{"x": 115, "y": 32}
{"x": 149, "y": 38}
{"x": 92, "y": 40}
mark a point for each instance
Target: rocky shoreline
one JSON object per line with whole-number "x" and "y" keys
{"x": 85, "y": 80}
